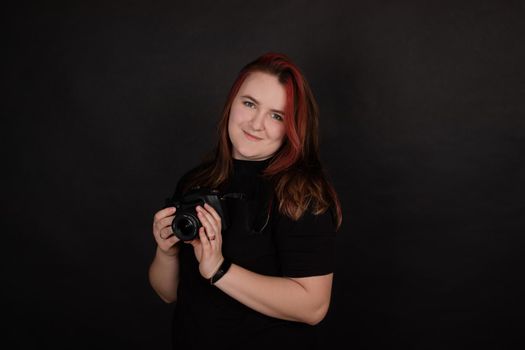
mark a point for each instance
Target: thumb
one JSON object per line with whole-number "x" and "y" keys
{"x": 194, "y": 242}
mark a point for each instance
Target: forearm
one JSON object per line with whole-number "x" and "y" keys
{"x": 279, "y": 297}
{"x": 164, "y": 276}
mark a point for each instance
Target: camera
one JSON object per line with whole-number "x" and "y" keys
{"x": 186, "y": 223}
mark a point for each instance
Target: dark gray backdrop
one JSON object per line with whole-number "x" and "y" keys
{"x": 422, "y": 129}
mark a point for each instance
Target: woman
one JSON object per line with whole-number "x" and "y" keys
{"x": 266, "y": 280}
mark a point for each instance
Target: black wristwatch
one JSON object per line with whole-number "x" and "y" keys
{"x": 225, "y": 266}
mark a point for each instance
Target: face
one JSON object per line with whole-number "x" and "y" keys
{"x": 256, "y": 123}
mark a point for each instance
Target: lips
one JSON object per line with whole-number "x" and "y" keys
{"x": 251, "y": 137}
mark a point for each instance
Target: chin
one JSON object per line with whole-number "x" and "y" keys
{"x": 249, "y": 154}
{"x": 252, "y": 150}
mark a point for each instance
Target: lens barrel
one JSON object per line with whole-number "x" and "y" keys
{"x": 186, "y": 226}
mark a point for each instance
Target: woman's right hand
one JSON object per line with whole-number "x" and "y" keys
{"x": 163, "y": 233}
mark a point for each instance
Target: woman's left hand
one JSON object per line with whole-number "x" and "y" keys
{"x": 208, "y": 246}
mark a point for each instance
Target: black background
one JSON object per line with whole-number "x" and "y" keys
{"x": 422, "y": 132}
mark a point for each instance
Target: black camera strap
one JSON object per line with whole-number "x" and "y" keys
{"x": 233, "y": 196}
{"x": 260, "y": 207}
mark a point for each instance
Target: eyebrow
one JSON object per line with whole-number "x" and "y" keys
{"x": 257, "y": 102}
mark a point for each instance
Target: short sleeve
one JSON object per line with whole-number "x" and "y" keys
{"x": 306, "y": 247}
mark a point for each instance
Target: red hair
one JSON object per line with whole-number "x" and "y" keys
{"x": 295, "y": 169}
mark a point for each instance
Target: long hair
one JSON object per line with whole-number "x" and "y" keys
{"x": 295, "y": 169}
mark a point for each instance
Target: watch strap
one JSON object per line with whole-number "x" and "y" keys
{"x": 225, "y": 266}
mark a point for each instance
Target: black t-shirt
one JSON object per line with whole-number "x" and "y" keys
{"x": 272, "y": 245}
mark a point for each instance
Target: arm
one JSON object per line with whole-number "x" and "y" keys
{"x": 164, "y": 275}
{"x": 303, "y": 299}
{"x": 164, "y": 269}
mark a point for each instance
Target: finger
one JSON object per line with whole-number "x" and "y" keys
{"x": 210, "y": 230}
{"x": 163, "y": 213}
{"x": 163, "y": 227}
{"x": 213, "y": 212}
{"x": 216, "y": 219}
{"x": 204, "y": 239}
{"x": 216, "y": 238}
{"x": 161, "y": 237}
{"x": 170, "y": 241}
{"x": 194, "y": 242}
{"x": 207, "y": 221}
{"x": 166, "y": 232}
{"x": 165, "y": 222}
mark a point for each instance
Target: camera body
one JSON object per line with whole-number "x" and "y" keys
{"x": 186, "y": 223}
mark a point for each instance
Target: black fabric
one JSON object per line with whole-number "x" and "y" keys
{"x": 205, "y": 316}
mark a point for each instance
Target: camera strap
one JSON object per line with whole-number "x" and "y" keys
{"x": 234, "y": 196}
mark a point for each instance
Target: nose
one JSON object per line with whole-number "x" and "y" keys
{"x": 257, "y": 121}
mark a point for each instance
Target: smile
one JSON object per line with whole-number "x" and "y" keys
{"x": 251, "y": 137}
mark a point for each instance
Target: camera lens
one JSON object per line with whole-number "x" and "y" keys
{"x": 185, "y": 226}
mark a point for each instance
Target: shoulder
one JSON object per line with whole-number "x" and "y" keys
{"x": 306, "y": 246}
{"x": 188, "y": 176}
{"x": 309, "y": 223}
